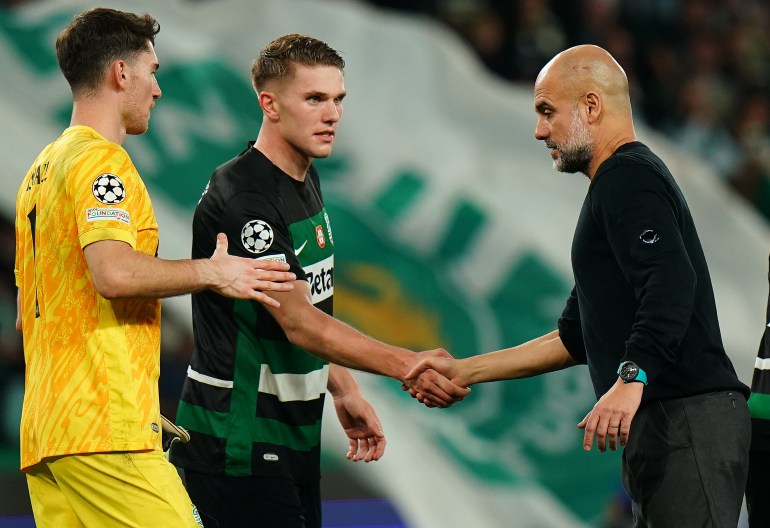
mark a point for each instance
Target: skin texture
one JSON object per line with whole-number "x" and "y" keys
{"x": 584, "y": 114}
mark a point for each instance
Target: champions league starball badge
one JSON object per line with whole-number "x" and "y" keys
{"x": 257, "y": 236}
{"x": 109, "y": 189}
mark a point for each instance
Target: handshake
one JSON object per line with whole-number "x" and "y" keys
{"x": 434, "y": 379}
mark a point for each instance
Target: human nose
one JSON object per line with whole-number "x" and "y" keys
{"x": 541, "y": 130}
{"x": 156, "y": 92}
{"x": 333, "y": 112}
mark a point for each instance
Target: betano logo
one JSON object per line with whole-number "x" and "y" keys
{"x": 320, "y": 277}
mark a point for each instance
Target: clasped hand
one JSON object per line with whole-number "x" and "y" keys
{"x": 428, "y": 385}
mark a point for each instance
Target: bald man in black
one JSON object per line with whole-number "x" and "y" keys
{"x": 642, "y": 314}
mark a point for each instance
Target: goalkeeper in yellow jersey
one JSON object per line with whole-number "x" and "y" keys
{"x": 89, "y": 283}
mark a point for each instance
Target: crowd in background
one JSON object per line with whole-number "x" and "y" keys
{"x": 699, "y": 69}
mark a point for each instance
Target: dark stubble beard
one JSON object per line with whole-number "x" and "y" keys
{"x": 577, "y": 151}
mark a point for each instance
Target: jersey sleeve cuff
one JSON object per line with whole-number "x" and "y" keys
{"x": 97, "y": 235}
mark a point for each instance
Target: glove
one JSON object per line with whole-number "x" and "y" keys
{"x": 172, "y": 433}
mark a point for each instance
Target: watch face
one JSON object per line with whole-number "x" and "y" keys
{"x": 629, "y": 371}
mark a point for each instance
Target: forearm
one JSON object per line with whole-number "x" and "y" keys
{"x": 339, "y": 343}
{"x": 320, "y": 334}
{"x": 341, "y": 381}
{"x": 140, "y": 275}
{"x": 544, "y": 354}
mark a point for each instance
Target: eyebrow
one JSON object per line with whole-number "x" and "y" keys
{"x": 314, "y": 93}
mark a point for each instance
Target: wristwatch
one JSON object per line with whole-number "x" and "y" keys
{"x": 630, "y": 371}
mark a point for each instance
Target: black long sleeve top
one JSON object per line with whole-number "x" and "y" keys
{"x": 642, "y": 287}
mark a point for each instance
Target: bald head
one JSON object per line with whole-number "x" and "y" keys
{"x": 588, "y": 68}
{"x": 583, "y": 107}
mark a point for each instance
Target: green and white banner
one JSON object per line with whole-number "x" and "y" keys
{"x": 451, "y": 229}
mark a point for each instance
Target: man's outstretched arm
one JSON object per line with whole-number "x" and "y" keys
{"x": 313, "y": 330}
{"x": 543, "y": 354}
{"x": 118, "y": 271}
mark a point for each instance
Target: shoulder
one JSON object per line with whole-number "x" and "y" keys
{"x": 245, "y": 176}
{"x": 632, "y": 169}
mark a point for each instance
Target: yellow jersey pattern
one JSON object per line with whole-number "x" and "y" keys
{"x": 92, "y": 364}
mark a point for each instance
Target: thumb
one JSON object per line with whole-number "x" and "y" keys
{"x": 221, "y": 248}
{"x": 418, "y": 369}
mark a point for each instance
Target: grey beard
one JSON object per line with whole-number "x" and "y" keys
{"x": 575, "y": 159}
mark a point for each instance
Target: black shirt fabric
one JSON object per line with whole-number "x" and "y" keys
{"x": 642, "y": 287}
{"x": 252, "y": 400}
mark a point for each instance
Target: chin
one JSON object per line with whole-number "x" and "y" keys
{"x": 137, "y": 130}
{"x": 321, "y": 153}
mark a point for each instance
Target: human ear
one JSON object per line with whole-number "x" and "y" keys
{"x": 269, "y": 105}
{"x": 118, "y": 74}
{"x": 593, "y": 104}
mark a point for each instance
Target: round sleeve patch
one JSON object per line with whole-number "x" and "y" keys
{"x": 109, "y": 189}
{"x": 649, "y": 236}
{"x": 257, "y": 236}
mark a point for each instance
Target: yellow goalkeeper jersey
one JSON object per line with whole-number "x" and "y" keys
{"x": 92, "y": 365}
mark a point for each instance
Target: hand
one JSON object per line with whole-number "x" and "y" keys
{"x": 433, "y": 379}
{"x": 244, "y": 278}
{"x": 610, "y": 419}
{"x": 362, "y": 427}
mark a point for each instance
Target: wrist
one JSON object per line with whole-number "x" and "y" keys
{"x": 205, "y": 276}
{"x": 630, "y": 372}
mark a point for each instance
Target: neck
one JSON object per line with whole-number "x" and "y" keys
{"x": 606, "y": 148}
{"x": 101, "y": 116}
{"x": 282, "y": 154}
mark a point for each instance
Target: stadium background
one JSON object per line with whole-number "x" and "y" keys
{"x": 450, "y": 226}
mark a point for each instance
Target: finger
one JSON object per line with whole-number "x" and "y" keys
{"x": 418, "y": 369}
{"x": 584, "y": 421}
{"x": 590, "y": 429}
{"x": 221, "y": 246}
{"x": 352, "y": 448}
{"x": 602, "y": 433}
{"x": 265, "y": 299}
{"x": 440, "y": 388}
{"x": 269, "y": 264}
{"x": 270, "y": 284}
{"x": 431, "y": 401}
{"x": 434, "y": 396}
{"x": 363, "y": 449}
{"x": 273, "y": 276}
{"x": 371, "y": 445}
{"x": 425, "y": 400}
{"x": 412, "y": 392}
{"x": 612, "y": 437}
{"x": 625, "y": 431}
{"x": 613, "y": 434}
{"x": 452, "y": 390}
{"x": 379, "y": 447}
